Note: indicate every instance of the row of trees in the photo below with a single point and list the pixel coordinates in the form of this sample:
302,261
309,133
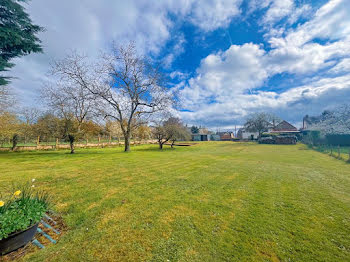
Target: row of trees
32,125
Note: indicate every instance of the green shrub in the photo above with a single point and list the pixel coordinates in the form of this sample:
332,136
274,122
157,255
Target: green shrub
25,207
338,139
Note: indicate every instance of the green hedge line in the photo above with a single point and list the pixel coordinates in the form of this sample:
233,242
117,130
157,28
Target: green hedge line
338,140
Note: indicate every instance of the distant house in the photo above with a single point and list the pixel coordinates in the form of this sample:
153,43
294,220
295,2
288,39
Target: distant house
226,136
200,137
285,128
247,135
282,128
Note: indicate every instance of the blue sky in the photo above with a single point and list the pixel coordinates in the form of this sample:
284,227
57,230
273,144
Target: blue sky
226,58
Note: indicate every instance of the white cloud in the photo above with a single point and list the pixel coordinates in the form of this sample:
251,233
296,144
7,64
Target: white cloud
175,50
90,26
178,75
306,58
224,74
342,67
277,10
303,11
297,52
331,21
291,104
212,14
221,90
226,85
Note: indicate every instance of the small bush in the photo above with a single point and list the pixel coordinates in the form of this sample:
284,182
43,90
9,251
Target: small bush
20,210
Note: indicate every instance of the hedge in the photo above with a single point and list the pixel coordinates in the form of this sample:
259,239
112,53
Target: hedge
338,140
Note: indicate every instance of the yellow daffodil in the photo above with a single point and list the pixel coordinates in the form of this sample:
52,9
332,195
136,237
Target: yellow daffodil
2,203
17,193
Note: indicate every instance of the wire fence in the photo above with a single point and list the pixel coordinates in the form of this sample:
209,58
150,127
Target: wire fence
339,152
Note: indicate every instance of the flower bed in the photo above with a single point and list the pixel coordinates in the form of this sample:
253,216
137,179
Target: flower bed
19,212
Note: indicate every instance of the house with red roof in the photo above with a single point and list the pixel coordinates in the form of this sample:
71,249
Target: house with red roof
284,128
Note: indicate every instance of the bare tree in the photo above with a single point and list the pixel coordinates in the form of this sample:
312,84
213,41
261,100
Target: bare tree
273,119
142,132
9,126
343,117
48,126
161,133
260,122
336,121
113,129
130,89
330,122
6,99
30,116
177,129
172,130
73,103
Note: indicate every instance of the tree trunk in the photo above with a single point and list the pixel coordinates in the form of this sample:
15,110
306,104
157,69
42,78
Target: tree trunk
14,141
71,143
160,145
172,144
126,143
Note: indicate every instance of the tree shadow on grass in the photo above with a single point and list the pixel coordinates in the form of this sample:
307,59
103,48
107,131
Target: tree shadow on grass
91,151
83,151
152,149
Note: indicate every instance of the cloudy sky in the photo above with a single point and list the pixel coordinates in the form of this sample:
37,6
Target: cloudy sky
226,58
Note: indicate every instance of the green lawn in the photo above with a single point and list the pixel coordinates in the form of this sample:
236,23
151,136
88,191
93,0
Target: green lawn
215,201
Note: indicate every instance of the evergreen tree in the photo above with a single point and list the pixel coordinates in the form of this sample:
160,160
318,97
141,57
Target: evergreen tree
194,129
18,36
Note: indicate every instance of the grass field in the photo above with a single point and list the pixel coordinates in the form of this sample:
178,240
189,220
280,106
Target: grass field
215,201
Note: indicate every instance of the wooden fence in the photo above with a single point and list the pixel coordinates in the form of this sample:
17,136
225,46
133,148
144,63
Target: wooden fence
58,146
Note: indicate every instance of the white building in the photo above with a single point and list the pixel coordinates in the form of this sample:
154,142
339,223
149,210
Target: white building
246,135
